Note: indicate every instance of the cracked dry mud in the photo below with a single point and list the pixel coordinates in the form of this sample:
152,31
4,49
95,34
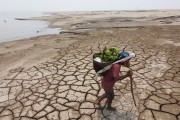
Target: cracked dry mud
65,87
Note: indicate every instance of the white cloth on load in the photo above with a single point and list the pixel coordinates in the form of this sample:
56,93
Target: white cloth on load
98,59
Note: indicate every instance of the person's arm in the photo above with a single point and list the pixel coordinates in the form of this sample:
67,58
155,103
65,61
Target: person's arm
115,72
128,74
122,77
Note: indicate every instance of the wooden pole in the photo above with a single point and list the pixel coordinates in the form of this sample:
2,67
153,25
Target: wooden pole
131,80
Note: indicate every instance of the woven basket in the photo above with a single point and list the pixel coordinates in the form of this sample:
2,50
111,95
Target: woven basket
99,66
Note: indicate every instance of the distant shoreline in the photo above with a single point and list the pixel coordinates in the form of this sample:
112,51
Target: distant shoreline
17,26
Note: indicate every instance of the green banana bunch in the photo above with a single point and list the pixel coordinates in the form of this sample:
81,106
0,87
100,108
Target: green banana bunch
109,55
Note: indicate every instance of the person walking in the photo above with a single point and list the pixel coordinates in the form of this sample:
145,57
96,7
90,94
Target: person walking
110,78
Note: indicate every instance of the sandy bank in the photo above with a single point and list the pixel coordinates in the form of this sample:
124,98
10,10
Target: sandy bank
33,51
52,76
29,52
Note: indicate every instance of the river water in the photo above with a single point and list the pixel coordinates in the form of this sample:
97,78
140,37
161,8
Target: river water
12,29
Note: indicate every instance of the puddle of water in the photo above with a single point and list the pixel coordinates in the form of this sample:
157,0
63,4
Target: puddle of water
12,29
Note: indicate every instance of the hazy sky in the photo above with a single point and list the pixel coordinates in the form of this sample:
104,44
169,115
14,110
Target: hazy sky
80,5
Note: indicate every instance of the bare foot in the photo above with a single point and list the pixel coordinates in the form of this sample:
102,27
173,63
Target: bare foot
97,102
99,105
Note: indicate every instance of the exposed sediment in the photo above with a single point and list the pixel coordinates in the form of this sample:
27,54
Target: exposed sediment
64,87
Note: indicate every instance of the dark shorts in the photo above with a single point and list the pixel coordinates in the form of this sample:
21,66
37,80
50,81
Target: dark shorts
109,94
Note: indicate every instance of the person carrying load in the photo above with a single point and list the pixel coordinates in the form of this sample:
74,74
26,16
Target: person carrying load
111,76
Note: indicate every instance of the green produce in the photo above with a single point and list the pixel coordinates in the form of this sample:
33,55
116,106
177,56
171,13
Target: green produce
109,55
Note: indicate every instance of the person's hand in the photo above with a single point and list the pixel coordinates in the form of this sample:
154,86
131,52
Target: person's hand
129,73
